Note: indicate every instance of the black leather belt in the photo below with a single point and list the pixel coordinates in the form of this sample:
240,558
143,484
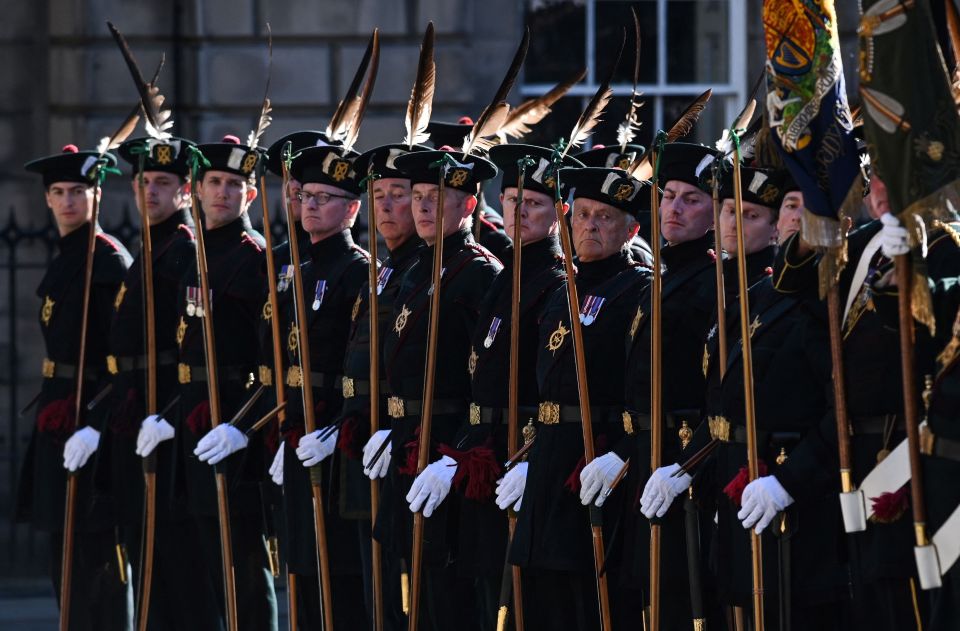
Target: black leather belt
400,408
933,445
484,415
198,374
317,379
721,429
60,370
358,387
138,362
550,413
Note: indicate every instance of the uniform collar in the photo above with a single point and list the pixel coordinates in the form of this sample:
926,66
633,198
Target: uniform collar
170,225
598,271
76,239
680,255
228,233
331,248
535,256
406,250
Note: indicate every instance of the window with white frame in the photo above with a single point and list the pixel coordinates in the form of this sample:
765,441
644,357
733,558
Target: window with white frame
687,46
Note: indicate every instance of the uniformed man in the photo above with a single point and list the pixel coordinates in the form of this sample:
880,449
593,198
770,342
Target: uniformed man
802,552
332,269
131,436
882,563
99,597
234,258
621,157
552,541
688,309
394,222
473,462
469,269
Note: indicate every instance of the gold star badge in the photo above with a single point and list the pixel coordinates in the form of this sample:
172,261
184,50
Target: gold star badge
181,331
47,311
755,325
118,300
557,337
293,338
267,312
401,320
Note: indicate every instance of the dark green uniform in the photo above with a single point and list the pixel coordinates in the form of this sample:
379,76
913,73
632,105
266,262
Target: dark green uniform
235,262
98,598
552,538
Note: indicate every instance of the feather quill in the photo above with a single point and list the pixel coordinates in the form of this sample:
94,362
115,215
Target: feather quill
642,169
253,140
627,130
157,119
594,110
353,125
420,105
532,111
494,115
343,122
123,132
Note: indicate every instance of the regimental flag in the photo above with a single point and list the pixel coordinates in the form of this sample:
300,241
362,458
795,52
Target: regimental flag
911,122
809,117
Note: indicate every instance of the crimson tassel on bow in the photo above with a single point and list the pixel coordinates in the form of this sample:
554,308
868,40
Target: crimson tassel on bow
734,488
478,467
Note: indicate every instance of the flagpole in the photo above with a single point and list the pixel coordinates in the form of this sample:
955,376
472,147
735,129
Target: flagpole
656,355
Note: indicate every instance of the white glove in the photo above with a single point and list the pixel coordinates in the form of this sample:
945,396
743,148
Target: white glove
80,447
597,476
661,489
153,431
510,488
313,450
276,469
220,442
894,238
431,486
380,468
761,501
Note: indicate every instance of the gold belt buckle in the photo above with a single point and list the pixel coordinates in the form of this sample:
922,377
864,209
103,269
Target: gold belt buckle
49,368
294,377
266,375
719,428
349,391
549,413
627,422
395,407
183,373
927,440
474,414
112,364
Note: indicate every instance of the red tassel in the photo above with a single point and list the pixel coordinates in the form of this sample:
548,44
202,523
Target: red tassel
199,419
124,421
348,438
409,467
293,436
58,417
889,507
572,483
734,488
478,466
271,438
